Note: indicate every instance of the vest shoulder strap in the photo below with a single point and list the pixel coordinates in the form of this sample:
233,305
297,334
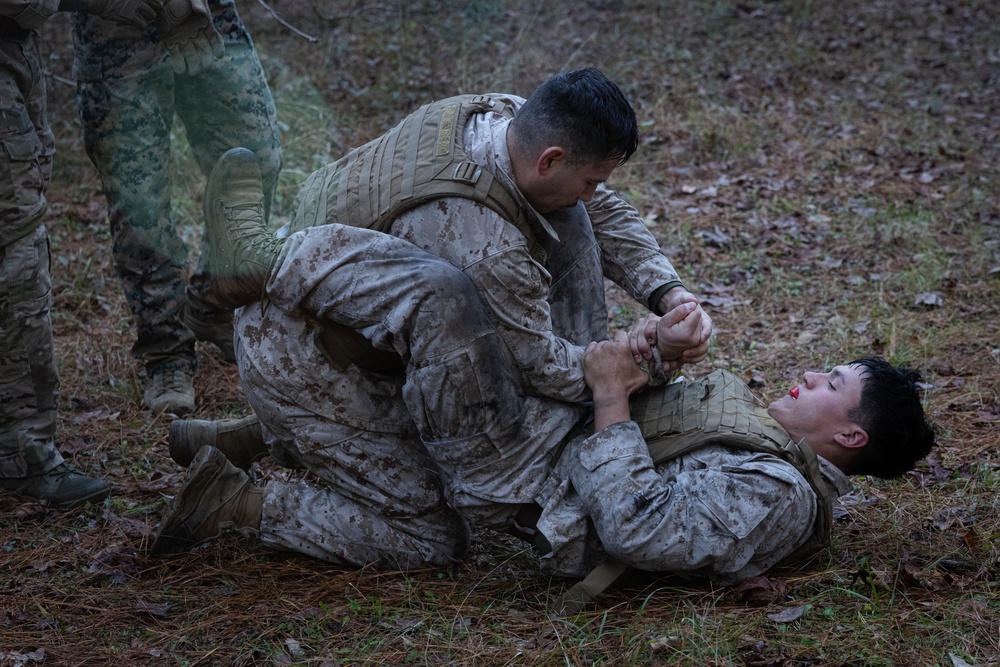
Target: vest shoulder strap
421,159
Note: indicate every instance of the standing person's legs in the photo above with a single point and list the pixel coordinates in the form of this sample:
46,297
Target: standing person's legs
126,95
223,107
30,464
29,383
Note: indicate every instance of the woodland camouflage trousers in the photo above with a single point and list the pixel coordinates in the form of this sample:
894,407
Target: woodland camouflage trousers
29,382
129,96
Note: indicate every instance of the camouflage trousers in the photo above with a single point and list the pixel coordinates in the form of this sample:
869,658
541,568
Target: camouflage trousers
129,95
29,381
402,457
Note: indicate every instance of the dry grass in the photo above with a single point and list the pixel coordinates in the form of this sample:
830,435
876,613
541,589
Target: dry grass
814,169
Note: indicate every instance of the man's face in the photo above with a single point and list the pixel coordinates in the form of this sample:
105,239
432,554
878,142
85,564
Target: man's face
563,184
818,409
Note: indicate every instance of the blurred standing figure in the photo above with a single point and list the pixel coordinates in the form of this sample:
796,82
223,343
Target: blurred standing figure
197,62
30,463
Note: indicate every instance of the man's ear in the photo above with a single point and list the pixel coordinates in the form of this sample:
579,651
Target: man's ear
852,437
549,158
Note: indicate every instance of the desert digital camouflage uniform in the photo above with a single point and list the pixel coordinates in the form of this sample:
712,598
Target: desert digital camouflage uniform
544,316
29,381
716,512
388,453
380,442
129,95
536,308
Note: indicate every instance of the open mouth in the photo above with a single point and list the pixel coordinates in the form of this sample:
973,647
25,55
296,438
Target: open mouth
794,393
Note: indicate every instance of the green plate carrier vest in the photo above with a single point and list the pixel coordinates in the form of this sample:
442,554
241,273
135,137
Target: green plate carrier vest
421,159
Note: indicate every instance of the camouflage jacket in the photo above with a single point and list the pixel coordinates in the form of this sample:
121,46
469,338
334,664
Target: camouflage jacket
498,257
719,510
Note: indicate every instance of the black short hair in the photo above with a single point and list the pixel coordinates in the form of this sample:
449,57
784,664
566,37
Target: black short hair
891,413
582,111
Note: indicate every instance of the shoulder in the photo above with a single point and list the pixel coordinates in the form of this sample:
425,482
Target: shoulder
459,228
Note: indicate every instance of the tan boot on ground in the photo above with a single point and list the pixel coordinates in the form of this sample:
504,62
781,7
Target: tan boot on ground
170,390
241,440
242,250
216,497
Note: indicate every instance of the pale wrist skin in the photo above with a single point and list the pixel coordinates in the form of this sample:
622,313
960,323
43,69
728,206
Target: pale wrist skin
610,407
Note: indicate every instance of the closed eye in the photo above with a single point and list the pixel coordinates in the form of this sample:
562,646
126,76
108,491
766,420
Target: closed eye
835,374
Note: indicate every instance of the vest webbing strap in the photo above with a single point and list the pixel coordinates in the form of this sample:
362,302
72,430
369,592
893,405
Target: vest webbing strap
583,592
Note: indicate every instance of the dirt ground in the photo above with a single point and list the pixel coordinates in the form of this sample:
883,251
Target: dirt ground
823,175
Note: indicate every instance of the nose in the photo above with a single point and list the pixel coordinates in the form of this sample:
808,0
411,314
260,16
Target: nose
588,193
810,379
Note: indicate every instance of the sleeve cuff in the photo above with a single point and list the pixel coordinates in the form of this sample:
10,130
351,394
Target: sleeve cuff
654,298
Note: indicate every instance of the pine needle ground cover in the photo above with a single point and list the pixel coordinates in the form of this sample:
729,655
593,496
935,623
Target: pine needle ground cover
824,175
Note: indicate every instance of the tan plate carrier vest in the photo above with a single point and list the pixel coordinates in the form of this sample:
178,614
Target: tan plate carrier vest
421,159
718,409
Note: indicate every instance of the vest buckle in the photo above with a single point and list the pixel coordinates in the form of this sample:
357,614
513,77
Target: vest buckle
466,172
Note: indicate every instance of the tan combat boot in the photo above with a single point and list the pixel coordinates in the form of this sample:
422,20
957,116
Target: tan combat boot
170,390
216,497
241,440
241,249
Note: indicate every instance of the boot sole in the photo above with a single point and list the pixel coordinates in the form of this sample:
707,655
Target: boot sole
221,264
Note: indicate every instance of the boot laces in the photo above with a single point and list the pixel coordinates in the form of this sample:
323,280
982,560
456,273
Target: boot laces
173,381
247,225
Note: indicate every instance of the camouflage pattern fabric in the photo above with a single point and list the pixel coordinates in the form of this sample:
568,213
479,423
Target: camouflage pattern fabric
532,305
461,406
453,429
715,512
375,441
29,381
128,96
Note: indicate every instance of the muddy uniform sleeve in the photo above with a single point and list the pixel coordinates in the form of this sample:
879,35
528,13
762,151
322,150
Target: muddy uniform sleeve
512,285
631,256
716,512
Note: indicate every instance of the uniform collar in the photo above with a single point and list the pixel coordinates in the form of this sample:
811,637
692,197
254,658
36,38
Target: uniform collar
486,144
834,477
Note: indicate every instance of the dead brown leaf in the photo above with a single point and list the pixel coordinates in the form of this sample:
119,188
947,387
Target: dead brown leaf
760,591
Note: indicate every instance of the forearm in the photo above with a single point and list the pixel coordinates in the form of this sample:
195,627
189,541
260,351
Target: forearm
631,256
725,514
610,407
